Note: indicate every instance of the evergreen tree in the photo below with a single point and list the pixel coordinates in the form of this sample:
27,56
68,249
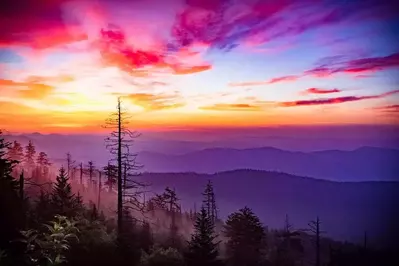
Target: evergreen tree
63,200
30,152
246,238
202,249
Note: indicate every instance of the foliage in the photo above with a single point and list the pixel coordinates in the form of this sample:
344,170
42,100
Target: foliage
246,238
162,257
51,245
202,249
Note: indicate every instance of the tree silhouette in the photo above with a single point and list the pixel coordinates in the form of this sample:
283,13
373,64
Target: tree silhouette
63,200
90,169
16,152
168,201
210,202
10,202
289,245
43,163
30,152
246,238
70,165
202,248
315,229
111,173
119,144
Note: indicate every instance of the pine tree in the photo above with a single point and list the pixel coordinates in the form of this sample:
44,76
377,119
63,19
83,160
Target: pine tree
63,200
202,249
210,201
30,152
246,238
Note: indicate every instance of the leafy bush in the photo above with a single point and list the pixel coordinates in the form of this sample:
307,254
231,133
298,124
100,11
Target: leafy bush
162,257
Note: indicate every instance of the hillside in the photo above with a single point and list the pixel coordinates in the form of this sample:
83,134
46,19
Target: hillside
346,209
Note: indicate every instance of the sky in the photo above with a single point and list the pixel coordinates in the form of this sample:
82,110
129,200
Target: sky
197,63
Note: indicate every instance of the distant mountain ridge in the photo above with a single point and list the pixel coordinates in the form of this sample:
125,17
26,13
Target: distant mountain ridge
346,209
362,164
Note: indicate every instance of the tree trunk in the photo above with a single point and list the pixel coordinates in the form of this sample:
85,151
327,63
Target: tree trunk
120,208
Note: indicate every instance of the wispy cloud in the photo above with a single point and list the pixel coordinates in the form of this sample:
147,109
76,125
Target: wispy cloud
259,83
357,66
388,108
321,91
30,90
335,100
232,107
333,65
153,102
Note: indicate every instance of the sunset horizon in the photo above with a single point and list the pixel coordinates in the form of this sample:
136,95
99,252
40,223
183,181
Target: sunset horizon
64,71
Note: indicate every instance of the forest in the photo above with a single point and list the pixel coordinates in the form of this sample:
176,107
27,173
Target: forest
83,214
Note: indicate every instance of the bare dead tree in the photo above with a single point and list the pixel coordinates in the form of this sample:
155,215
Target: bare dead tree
315,229
119,143
99,190
90,168
70,164
169,201
81,173
209,201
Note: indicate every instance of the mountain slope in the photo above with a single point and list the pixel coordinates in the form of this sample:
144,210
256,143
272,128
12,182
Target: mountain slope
346,209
